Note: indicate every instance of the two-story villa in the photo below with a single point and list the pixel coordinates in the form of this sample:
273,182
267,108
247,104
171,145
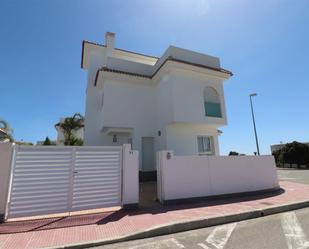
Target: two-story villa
174,102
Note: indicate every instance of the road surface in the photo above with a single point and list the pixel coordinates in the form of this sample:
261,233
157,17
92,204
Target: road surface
288,230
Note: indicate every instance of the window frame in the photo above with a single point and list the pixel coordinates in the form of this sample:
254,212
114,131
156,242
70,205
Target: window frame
207,112
211,103
211,145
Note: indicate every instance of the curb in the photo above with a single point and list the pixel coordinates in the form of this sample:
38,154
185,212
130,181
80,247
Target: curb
190,225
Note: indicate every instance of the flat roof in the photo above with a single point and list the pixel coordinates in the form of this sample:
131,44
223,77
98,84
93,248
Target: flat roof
119,49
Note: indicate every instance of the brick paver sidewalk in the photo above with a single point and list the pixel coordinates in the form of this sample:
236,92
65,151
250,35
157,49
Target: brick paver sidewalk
112,225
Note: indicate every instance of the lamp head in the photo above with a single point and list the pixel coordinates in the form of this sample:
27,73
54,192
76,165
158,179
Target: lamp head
253,94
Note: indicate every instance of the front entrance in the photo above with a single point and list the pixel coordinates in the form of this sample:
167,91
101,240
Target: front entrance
148,162
148,194
148,190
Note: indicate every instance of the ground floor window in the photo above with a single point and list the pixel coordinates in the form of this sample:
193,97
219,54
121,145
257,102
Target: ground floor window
204,144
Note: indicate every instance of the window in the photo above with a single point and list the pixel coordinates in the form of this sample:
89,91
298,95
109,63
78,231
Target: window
204,144
212,103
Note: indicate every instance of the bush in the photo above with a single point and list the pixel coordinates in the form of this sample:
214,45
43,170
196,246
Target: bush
233,153
294,152
47,141
23,143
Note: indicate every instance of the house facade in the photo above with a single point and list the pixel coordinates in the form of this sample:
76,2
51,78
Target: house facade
173,102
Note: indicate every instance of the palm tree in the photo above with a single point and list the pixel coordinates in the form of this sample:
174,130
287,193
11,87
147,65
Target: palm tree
5,132
69,126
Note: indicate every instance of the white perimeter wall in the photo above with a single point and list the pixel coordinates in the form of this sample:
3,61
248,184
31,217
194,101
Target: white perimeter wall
183,177
130,184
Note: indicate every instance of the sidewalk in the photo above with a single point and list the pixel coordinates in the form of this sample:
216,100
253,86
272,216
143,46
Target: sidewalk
146,222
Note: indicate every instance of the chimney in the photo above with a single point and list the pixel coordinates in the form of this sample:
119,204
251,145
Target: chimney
110,40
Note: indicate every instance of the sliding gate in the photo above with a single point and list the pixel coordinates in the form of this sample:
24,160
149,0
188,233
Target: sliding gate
57,179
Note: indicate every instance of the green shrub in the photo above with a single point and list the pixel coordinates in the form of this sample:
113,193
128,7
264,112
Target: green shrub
233,153
47,141
293,153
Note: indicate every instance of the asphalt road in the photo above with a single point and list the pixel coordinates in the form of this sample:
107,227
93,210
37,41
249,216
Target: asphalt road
288,230
294,175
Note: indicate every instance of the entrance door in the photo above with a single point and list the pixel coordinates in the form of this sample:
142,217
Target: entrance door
148,154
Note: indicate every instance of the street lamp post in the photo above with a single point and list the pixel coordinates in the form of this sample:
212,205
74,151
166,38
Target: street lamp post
254,126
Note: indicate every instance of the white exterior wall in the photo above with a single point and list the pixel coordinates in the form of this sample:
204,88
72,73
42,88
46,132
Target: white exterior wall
182,138
183,177
125,104
188,98
171,102
130,105
164,110
93,119
174,106
181,113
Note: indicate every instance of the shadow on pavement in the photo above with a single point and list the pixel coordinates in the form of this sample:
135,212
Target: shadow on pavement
148,205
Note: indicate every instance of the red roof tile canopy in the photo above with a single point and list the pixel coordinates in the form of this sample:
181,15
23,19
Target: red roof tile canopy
106,69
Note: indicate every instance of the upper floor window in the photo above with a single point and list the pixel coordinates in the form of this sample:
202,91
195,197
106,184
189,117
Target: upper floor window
212,102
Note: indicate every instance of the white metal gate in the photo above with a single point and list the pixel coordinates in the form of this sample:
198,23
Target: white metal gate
57,179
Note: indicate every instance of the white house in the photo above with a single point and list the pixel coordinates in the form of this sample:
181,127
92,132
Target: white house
173,102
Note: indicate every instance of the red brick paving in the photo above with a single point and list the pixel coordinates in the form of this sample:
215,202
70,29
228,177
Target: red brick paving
109,225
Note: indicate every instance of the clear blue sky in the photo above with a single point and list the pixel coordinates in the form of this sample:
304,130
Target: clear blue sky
264,43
